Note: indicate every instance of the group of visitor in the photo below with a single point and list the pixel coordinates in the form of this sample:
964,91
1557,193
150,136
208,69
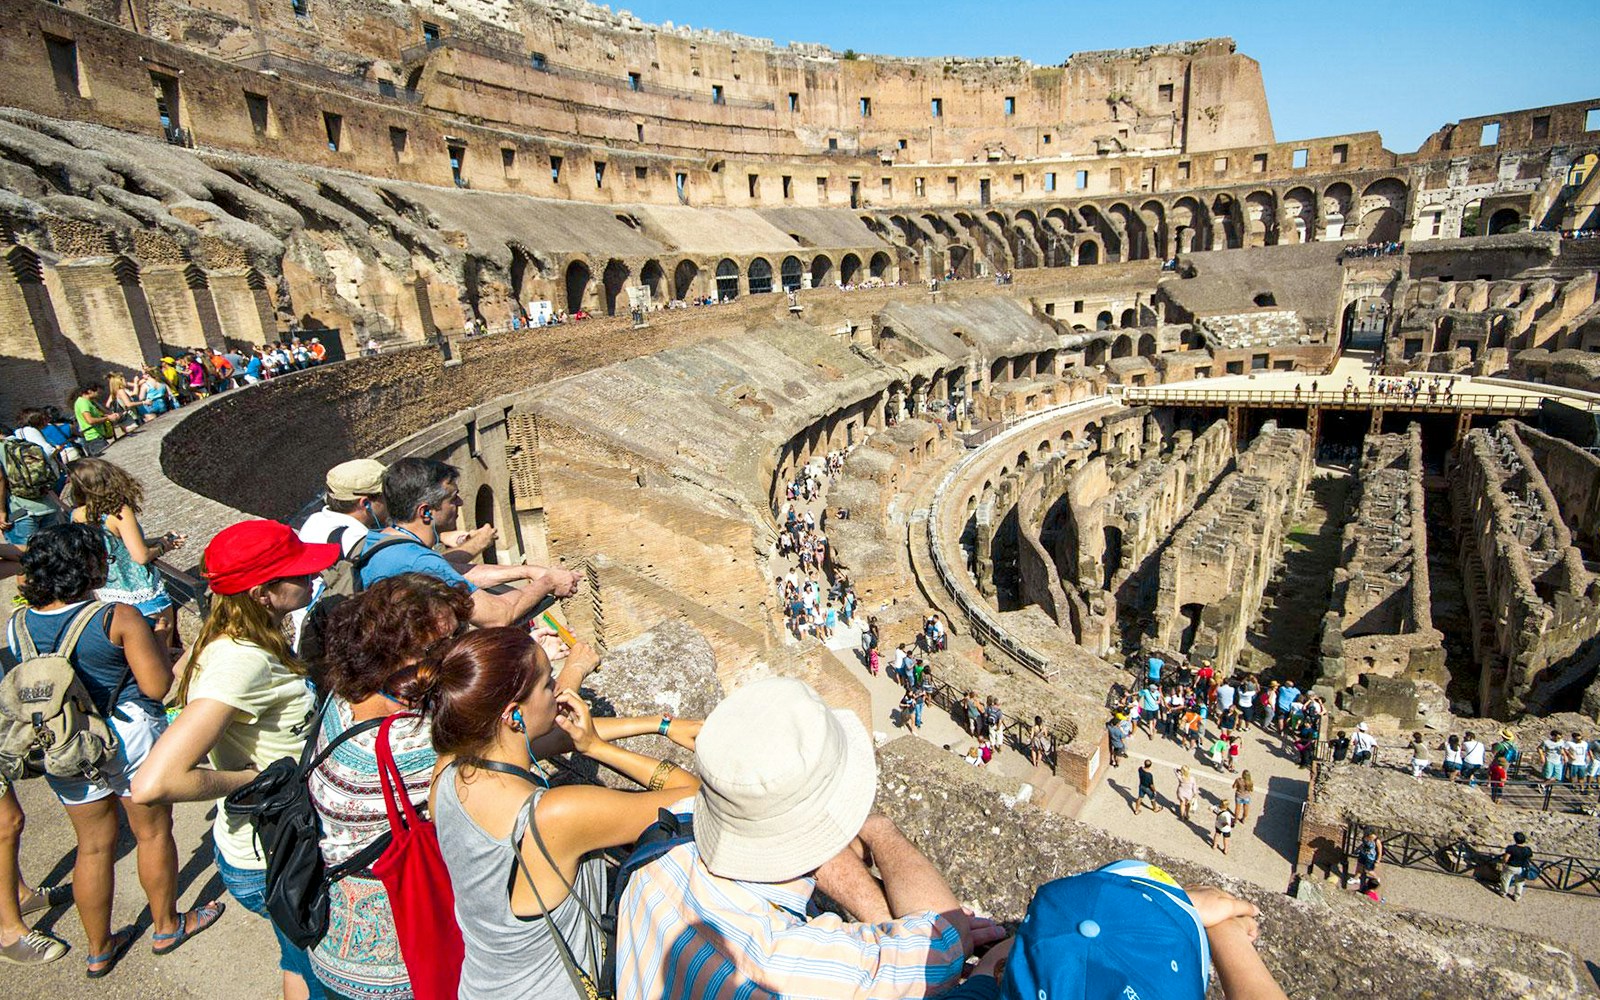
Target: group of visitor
1380,248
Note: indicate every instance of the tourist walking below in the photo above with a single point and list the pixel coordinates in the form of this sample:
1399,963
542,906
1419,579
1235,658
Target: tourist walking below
1419,756
1186,793
1553,754
245,703
109,499
1497,777
1516,866
1362,745
126,674
1244,789
1368,853
1222,828
1147,788
1472,759
1041,746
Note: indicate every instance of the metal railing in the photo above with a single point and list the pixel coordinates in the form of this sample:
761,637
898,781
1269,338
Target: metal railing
978,618
1523,788
1019,732
1456,856
1462,402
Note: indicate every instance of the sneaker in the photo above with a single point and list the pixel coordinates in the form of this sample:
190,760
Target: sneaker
33,948
45,897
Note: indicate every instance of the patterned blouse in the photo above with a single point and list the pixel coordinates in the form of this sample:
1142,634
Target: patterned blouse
359,957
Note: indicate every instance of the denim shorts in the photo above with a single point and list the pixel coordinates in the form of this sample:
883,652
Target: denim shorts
249,887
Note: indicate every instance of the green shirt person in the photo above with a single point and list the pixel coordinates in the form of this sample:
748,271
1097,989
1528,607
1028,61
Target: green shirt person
92,421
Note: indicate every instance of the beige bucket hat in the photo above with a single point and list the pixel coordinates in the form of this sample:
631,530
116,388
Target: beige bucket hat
786,782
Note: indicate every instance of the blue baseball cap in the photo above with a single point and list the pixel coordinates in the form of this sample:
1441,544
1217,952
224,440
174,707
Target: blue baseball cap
1123,932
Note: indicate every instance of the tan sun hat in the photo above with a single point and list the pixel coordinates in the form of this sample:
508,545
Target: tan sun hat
362,477
786,782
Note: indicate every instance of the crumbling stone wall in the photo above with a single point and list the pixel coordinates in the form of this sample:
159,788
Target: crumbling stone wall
1534,602
1380,616
1213,573
1116,516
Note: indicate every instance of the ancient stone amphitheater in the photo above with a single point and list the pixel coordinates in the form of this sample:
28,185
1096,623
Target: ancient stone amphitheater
1103,351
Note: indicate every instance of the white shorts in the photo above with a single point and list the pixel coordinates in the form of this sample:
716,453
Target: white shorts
135,737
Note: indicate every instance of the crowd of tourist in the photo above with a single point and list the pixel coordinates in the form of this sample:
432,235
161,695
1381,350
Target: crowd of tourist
426,696
1380,248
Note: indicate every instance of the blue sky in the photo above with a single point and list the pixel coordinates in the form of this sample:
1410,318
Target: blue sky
1403,67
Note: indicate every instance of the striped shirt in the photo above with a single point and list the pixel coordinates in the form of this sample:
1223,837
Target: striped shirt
686,934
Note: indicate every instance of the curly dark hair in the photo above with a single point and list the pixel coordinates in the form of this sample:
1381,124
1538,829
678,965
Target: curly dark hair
64,562
376,639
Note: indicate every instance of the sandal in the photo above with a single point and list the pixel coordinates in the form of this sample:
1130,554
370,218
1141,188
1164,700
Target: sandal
46,897
108,960
204,916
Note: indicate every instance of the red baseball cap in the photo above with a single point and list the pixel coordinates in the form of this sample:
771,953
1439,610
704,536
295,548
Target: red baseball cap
249,553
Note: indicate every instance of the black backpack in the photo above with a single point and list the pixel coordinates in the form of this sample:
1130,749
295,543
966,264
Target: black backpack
340,582
289,832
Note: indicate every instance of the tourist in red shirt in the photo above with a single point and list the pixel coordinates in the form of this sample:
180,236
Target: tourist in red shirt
1497,777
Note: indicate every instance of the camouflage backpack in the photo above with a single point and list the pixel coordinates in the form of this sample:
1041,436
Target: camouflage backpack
48,722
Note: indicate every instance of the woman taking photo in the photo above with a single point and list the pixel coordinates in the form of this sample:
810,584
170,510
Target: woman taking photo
494,711
245,703
126,674
108,498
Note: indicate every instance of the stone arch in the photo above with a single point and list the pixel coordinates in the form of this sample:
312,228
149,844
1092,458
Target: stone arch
1187,224
1136,244
1147,346
878,266
1153,217
1505,220
1088,252
1094,352
578,278
1260,219
1104,321
525,269
1299,210
1122,347
849,269
1337,201
482,514
653,278
1129,318
960,258
615,279
1382,209
727,279
789,273
683,277
821,270
760,276
1225,222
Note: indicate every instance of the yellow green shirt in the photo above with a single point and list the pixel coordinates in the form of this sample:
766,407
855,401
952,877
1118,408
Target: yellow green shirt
273,706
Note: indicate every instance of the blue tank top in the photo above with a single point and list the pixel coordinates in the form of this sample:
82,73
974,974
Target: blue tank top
99,662
127,582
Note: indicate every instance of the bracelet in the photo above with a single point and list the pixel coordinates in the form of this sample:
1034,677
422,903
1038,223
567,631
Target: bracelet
666,724
658,780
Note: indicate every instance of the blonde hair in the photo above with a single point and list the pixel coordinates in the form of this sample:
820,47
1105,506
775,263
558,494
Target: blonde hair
1246,783
103,489
1183,772
245,619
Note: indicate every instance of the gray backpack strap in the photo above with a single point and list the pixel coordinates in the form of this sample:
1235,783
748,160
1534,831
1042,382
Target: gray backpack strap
26,650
